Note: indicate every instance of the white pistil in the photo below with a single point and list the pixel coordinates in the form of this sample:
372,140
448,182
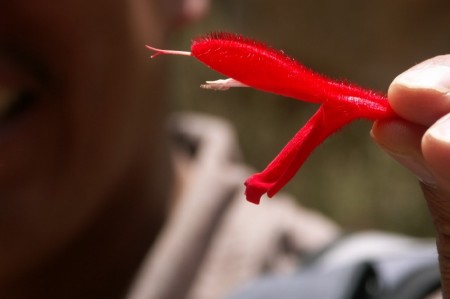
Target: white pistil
222,84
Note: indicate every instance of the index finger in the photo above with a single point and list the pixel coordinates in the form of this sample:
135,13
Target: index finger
422,94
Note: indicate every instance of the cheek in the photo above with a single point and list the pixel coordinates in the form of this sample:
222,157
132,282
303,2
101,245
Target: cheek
88,130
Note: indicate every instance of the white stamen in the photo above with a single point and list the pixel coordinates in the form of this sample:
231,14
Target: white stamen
222,84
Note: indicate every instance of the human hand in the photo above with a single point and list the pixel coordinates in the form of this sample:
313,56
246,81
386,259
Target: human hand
420,140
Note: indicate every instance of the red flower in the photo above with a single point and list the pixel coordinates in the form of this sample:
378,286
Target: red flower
250,63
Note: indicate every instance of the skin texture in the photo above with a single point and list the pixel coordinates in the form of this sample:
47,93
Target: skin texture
85,168
421,142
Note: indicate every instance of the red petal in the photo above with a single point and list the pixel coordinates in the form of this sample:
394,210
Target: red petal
330,117
258,66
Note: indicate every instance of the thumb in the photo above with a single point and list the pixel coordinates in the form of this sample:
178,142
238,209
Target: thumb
421,96
436,153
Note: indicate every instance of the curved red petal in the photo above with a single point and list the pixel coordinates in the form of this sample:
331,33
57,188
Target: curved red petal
259,66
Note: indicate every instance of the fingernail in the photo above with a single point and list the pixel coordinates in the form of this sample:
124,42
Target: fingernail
441,129
436,77
415,166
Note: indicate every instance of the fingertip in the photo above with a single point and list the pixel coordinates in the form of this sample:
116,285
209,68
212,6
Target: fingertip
428,75
422,93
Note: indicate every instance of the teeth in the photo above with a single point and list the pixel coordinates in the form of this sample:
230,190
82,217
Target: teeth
8,97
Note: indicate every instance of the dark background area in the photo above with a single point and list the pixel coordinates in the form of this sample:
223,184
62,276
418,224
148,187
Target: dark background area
367,42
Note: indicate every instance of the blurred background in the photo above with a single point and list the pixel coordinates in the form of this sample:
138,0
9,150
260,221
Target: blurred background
367,42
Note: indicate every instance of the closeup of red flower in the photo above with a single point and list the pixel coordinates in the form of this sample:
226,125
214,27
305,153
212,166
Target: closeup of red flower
249,63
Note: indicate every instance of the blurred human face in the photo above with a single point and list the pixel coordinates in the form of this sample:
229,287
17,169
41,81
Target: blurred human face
80,108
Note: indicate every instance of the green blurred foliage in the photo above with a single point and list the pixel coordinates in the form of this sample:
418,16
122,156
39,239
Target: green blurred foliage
367,42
